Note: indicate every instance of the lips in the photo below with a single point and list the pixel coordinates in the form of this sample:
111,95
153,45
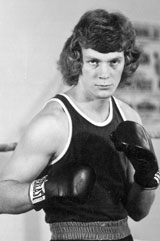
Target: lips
104,86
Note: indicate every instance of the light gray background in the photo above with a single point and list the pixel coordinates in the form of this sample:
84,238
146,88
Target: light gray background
32,33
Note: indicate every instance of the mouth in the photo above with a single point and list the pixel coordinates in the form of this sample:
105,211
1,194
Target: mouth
104,86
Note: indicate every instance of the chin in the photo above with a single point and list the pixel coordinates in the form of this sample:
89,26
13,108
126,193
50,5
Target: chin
104,95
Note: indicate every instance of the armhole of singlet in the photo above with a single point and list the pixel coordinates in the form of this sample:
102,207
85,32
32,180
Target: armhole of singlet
70,131
120,109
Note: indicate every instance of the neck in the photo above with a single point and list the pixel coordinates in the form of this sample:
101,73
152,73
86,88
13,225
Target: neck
96,109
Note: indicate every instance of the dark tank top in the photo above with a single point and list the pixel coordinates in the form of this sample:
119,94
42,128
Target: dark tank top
90,144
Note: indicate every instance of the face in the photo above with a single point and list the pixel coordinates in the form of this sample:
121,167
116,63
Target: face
101,73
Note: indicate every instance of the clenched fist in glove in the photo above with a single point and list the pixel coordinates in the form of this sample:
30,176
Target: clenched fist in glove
70,181
132,139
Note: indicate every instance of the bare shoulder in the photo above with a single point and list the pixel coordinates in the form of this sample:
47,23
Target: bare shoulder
129,112
44,137
51,125
46,134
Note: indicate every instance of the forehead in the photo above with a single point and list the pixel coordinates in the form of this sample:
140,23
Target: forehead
91,53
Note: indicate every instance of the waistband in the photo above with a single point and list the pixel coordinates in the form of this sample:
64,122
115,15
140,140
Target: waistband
112,230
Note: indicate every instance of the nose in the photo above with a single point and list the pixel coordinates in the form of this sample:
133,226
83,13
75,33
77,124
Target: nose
104,71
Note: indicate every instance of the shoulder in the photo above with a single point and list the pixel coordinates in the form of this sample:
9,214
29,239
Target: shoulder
129,112
49,128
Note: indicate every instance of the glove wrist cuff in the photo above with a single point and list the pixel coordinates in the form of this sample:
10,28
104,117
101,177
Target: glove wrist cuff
148,184
37,193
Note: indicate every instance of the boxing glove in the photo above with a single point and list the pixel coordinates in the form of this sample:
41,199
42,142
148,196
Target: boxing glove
132,139
72,182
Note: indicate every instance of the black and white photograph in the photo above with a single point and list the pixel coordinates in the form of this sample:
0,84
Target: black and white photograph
79,120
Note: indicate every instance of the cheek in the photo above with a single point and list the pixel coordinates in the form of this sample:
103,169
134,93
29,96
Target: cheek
118,73
88,72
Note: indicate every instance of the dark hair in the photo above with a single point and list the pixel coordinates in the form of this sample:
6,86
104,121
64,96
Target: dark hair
101,31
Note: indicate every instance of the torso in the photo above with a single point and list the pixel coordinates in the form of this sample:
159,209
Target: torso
88,142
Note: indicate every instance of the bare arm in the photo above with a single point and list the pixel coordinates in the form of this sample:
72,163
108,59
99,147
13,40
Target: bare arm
139,200
31,156
15,197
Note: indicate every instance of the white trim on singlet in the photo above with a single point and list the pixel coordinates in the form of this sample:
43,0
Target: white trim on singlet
70,131
120,109
100,124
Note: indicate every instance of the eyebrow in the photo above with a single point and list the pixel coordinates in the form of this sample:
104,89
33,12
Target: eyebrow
117,57
110,59
92,58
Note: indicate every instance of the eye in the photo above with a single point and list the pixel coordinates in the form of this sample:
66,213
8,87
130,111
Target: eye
93,62
115,62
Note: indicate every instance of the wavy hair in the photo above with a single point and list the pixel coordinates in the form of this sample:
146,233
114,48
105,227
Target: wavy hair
104,32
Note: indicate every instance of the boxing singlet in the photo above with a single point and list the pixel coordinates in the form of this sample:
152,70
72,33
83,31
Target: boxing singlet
89,143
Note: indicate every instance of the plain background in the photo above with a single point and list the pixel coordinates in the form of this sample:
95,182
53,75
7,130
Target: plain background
32,34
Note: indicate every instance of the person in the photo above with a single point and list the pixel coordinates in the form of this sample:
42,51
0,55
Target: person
86,159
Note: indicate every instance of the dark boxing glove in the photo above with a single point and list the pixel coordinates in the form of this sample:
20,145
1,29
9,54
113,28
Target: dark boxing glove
72,182
132,139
